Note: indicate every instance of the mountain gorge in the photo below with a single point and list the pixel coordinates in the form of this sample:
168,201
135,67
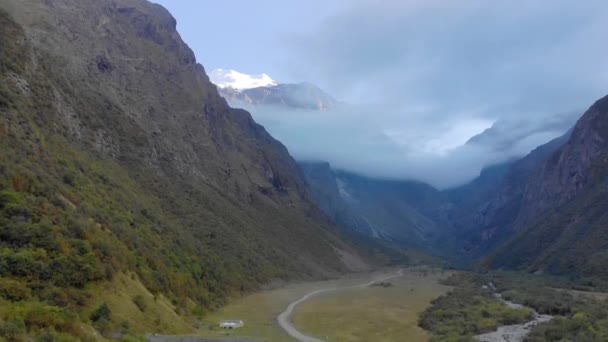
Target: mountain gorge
492,218
545,212
134,198
405,212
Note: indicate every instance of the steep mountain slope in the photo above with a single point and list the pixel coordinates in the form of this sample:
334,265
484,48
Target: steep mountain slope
120,157
407,213
561,226
485,210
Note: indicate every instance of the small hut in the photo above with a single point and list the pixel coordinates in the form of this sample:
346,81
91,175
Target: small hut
231,324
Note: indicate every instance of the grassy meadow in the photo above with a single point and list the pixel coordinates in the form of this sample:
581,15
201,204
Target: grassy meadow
361,314
372,313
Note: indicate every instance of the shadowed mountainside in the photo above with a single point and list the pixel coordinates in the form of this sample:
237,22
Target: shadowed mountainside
404,212
561,227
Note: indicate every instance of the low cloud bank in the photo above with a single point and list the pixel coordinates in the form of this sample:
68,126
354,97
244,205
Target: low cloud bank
403,145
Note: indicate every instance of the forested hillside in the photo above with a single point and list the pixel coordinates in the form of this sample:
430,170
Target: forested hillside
121,163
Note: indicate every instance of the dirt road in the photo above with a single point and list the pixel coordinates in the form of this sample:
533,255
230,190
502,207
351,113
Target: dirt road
284,318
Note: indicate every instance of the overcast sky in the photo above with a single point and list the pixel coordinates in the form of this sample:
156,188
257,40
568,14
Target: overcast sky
420,77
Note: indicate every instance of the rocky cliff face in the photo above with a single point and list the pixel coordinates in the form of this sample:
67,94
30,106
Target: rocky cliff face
560,226
486,210
567,173
140,82
124,133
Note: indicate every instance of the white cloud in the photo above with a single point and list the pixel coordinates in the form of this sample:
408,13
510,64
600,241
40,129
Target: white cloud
423,76
224,78
402,146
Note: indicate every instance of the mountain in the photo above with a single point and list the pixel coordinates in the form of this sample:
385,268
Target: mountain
224,78
124,174
485,210
254,91
465,223
404,212
561,224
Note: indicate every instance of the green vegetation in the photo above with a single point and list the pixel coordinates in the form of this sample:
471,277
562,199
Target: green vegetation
535,291
54,246
584,317
569,240
99,237
372,313
466,312
580,315
589,323
140,302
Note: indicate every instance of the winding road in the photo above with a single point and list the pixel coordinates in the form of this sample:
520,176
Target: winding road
284,319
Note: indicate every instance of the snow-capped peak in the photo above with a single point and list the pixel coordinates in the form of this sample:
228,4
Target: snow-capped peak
224,78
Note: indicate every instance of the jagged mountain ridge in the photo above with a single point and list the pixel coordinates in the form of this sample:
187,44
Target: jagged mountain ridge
300,96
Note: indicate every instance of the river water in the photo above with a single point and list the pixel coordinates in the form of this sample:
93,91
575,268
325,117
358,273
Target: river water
515,332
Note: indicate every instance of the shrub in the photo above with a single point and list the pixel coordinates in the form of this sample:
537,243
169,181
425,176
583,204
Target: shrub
42,316
468,311
13,290
10,199
199,311
102,312
12,329
103,325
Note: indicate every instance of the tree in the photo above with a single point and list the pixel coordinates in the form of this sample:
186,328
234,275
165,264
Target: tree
102,312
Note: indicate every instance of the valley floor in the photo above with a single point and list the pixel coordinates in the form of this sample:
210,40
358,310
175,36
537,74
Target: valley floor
351,314
372,313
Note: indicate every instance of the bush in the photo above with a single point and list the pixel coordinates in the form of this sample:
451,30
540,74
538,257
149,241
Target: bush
199,311
10,199
103,325
13,290
42,316
465,312
12,329
102,312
